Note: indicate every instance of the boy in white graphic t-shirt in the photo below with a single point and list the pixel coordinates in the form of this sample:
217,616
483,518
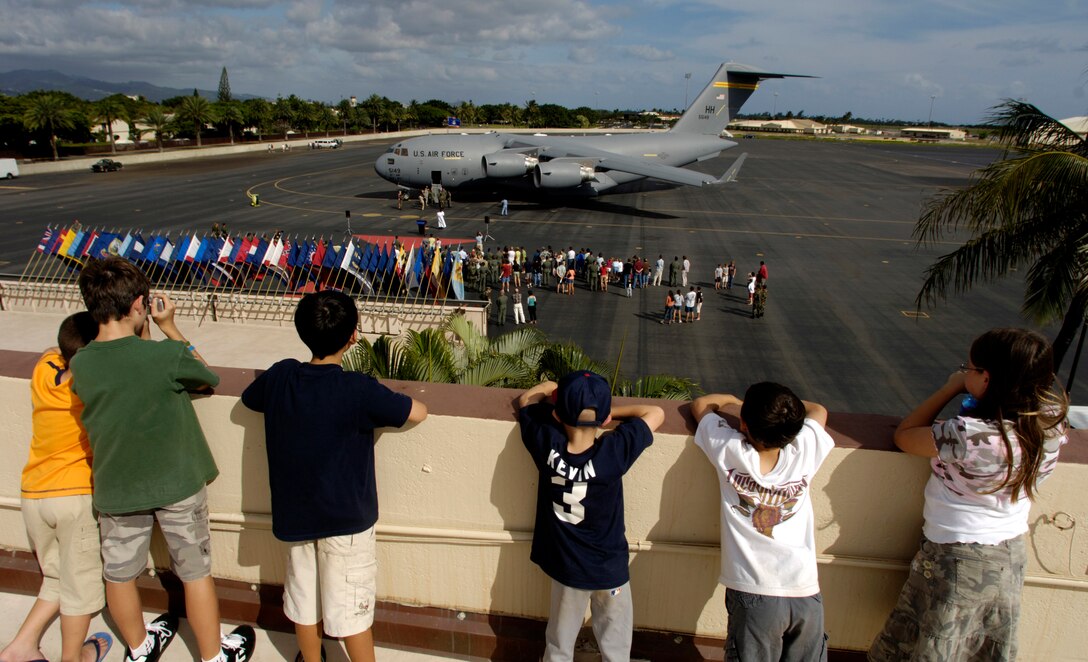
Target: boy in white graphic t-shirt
768,543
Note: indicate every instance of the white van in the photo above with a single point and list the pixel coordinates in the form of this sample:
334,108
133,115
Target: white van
9,169
325,143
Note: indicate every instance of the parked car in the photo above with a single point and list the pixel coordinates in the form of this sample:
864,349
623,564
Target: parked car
106,165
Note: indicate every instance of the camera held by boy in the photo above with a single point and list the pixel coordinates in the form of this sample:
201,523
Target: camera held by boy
765,466
151,460
319,423
578,538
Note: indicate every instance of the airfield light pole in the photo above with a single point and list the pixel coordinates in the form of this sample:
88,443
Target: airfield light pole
774,113
932,98
687,79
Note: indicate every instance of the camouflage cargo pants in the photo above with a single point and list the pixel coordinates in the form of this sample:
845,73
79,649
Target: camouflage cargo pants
961,602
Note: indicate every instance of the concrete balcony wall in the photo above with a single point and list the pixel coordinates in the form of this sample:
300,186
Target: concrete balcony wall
457,501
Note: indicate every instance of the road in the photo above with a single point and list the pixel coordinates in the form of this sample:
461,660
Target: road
832,220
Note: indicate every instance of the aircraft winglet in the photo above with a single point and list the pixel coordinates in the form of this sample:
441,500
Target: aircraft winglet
731,174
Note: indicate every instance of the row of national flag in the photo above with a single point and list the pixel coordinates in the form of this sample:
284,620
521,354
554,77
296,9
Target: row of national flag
232,261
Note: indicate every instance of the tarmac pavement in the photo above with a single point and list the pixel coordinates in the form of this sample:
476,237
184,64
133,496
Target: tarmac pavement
832,220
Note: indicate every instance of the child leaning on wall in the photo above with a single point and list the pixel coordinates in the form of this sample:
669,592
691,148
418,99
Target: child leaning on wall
578,538
319,423
152,462
57,509
765,467
962,596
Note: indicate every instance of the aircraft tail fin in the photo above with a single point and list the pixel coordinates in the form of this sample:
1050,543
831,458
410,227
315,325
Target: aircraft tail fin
721,99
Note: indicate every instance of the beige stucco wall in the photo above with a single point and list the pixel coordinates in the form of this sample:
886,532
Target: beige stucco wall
457,499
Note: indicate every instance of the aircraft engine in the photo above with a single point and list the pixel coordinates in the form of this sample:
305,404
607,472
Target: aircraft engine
508,164
564,174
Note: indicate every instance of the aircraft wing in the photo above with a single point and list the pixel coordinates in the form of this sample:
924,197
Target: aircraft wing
555,147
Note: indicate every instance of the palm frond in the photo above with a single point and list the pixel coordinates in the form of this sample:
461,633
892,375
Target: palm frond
562,358
518,341
1008,192
1022,126
1053,279
499,370
427,357
662,387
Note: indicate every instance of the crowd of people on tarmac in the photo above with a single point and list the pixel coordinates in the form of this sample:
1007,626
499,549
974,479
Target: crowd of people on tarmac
116,446
504,272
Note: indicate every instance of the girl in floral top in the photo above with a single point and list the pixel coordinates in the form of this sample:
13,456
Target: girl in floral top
962,597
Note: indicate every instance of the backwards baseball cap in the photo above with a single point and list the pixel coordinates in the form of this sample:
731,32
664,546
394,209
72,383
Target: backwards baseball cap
581,390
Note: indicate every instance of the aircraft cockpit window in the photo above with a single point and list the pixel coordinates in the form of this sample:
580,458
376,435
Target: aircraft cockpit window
389,150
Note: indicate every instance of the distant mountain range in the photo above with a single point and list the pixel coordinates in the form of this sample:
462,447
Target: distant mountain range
21,81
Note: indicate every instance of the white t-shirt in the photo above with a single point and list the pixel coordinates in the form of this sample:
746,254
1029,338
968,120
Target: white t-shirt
768,541
689,299
961,504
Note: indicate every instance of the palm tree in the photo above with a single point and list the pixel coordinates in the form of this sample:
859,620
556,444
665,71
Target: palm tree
229,113
197,111
1030,208
374,105
158,122
258,114
109,109
51,112
532,113
456,353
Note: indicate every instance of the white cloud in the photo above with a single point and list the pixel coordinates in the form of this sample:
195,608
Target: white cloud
649,53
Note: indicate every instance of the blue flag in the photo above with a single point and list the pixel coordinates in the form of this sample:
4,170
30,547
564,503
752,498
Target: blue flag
154,249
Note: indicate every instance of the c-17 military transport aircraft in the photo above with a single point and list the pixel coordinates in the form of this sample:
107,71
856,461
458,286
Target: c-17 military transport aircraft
581,166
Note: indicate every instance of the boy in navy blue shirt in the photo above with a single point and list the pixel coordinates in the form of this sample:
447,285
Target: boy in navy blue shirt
578,538
319,426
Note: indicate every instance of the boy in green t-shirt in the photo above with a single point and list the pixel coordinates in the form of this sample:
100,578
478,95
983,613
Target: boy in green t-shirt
152,461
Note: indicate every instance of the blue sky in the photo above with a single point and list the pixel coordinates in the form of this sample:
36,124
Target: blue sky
874,58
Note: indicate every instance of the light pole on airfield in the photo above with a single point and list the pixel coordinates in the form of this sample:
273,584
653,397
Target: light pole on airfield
687,79
774,113
932,98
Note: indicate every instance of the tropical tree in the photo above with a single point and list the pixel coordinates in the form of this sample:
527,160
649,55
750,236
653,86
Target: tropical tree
195,110
532,113
109,109
50,112
158,122
374,105
229,113
1030,208
258,114
224,94
458,353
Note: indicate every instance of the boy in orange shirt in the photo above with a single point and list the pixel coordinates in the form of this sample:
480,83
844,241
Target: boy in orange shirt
56,505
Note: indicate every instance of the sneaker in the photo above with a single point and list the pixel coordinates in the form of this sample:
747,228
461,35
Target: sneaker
162,631
238,645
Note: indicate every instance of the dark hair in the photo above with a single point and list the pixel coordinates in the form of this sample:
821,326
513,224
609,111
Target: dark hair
772,413
75,332
325,321
1021,389
110,287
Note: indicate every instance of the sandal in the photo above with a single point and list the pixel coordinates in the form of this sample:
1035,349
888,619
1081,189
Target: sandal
102,643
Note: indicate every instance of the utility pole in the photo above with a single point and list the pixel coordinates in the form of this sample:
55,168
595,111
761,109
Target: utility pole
932,98
687,79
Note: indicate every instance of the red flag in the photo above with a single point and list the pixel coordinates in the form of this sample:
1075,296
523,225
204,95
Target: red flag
319,253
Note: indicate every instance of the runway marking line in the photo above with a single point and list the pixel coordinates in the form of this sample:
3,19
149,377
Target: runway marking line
915,314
